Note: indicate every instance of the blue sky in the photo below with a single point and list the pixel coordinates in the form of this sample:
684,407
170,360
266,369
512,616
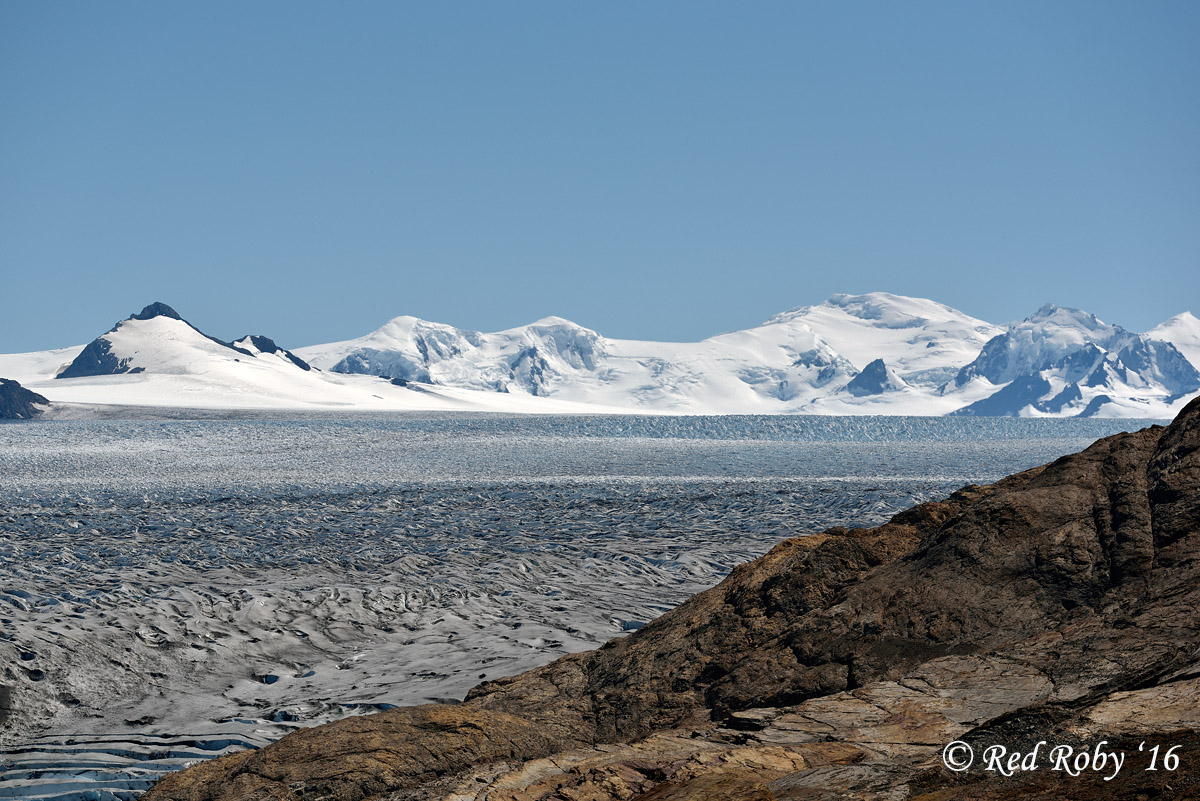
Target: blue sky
651,170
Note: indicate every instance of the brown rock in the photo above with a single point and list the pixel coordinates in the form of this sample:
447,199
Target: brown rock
731,786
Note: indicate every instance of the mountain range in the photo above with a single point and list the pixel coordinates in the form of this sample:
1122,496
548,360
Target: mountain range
875,353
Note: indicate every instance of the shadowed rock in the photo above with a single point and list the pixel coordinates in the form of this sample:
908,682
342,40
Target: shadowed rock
5,703
263,344
875,379
1057,604
18,403
156,309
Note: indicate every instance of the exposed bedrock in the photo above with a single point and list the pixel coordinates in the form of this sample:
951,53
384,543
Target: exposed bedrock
1058,604
18,403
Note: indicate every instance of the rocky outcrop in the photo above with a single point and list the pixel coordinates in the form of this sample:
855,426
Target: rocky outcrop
875,379
255,344
1056,605
18,403
156,309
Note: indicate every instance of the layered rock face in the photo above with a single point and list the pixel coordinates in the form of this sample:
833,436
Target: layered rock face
1057,605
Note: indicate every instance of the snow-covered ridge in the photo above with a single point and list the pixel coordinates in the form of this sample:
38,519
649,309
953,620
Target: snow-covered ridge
156,358
1182,331
1066,362
918,338
875,353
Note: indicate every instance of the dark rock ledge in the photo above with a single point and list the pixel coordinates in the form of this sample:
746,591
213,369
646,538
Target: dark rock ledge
18,403
1058,604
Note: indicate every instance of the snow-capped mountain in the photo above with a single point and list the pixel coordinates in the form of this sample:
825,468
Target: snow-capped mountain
1068,362
792,358
1033,344
922,341
156,358
759,369
526,359
1182,331
876,353
873,353
158,340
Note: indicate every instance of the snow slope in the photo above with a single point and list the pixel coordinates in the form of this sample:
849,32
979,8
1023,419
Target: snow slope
159,359
1068,362
923,341
876,353
38,365
1182,331
796,362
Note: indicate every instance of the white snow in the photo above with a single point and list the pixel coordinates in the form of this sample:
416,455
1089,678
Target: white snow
184,368
793,363
1182,331
27,367
1049,335
797,362
920,339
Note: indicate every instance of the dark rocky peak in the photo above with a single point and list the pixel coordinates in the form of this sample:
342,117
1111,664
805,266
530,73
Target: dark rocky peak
156,309
256,343
18,403
260,343
875,379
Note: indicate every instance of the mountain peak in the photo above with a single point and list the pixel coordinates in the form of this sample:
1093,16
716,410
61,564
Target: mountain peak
406,326
1067,316
1183,318
875,379
553,321
884,309
844,299
1182,331
156,309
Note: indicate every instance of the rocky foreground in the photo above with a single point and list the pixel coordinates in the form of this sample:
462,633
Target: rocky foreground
1057,605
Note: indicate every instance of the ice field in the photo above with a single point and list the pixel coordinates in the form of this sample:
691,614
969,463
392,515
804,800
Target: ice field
182,584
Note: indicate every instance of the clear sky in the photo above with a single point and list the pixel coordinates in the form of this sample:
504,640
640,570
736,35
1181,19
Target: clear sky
664,170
